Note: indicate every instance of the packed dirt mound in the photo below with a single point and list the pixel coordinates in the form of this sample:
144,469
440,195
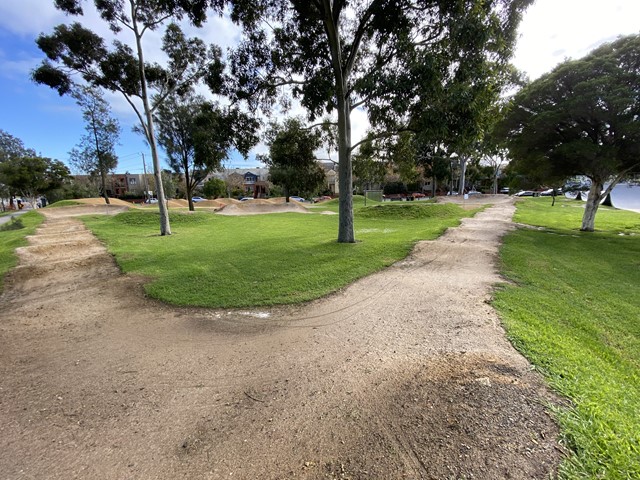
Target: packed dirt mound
228,201
178,203
100,202
257,207
279,200
183,203
87,209
256,201
209,204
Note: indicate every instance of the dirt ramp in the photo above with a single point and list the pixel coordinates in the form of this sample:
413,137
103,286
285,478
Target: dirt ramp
62,254
257,207
99,201
89,209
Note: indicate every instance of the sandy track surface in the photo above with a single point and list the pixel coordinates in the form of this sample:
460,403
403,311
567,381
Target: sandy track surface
405,374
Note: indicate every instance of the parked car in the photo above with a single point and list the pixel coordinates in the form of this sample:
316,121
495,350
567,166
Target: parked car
245,199
504,190
397,197
297,198
197,199
151,200
546,193
526,193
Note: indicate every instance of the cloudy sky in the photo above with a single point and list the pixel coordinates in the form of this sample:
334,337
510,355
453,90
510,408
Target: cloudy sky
552,31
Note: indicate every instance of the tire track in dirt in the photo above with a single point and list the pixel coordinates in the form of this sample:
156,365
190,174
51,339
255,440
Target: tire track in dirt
404,374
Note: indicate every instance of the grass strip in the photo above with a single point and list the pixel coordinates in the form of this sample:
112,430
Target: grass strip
12,236
574,312
224,261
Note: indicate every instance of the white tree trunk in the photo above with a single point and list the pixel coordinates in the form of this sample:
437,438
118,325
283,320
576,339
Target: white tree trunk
591,208
165,227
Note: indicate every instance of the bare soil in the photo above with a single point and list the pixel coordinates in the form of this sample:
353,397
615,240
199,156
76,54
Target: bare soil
405,374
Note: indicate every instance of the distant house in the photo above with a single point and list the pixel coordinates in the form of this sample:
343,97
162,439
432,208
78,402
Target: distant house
255,181
119,184
331,175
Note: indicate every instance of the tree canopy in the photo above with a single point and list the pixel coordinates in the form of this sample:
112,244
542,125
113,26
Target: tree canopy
32,176
583,118
73,50
95,154
214,188
198,136
291,160
12,147
430,66
176,131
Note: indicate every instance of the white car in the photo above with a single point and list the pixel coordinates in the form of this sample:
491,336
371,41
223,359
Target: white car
197,199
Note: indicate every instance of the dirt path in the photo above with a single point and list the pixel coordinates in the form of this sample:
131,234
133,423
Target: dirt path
406,374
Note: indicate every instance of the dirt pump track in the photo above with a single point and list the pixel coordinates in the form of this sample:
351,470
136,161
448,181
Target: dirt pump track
405,374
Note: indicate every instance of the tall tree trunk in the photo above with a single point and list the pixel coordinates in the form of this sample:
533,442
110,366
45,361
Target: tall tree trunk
345,178
101,163
463,171
188,186
103,181
591,208
346,232
165,227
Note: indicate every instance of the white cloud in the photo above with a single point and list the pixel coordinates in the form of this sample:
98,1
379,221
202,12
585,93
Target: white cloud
28,17
17,69
553,30
218,30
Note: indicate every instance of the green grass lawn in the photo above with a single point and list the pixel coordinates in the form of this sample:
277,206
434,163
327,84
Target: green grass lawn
13,236
574,311
219,261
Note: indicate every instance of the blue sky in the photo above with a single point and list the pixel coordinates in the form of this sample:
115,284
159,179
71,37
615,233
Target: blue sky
552,31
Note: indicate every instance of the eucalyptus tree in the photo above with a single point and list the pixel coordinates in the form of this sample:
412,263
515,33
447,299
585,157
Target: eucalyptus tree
429,65
176,130
369,167
198,135
291,159
582,118
12,147
95,154
75,51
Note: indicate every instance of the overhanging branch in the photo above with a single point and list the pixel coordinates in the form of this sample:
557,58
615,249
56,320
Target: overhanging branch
380,136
